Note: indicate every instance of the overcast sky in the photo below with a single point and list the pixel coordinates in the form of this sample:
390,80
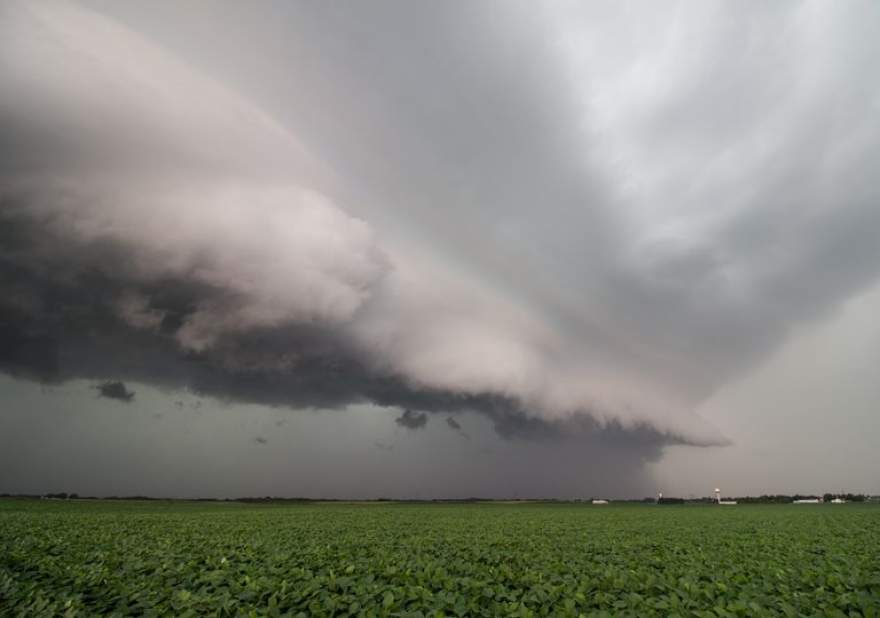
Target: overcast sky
439,249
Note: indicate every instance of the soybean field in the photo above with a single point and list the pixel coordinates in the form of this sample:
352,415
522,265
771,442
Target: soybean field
160,558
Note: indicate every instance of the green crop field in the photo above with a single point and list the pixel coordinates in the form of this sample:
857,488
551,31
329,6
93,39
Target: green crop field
158,558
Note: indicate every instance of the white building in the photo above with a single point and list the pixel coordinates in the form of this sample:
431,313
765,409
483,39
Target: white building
600,501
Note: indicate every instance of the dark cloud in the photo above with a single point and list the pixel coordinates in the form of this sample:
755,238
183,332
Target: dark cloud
115,390
455,426
412,420
261,440
59,323
136,250
566,267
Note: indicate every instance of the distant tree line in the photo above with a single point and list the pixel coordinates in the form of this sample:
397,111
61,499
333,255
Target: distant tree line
763,499
773,499
670,501
847,497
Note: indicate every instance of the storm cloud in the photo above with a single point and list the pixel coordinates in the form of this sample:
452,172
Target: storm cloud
115,390
412,420
573,222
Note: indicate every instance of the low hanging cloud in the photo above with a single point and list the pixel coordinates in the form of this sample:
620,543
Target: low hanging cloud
455,426
561,280
412,420
115,390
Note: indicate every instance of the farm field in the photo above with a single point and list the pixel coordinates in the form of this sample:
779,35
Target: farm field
485,559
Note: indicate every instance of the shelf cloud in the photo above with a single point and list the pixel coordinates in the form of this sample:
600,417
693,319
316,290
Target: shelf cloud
571,224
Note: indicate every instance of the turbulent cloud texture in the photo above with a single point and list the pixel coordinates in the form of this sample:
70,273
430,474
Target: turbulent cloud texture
574,220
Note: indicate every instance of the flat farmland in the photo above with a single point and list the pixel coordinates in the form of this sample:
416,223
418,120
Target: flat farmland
412,559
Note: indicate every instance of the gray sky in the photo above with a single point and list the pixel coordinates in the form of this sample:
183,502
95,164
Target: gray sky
424,249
